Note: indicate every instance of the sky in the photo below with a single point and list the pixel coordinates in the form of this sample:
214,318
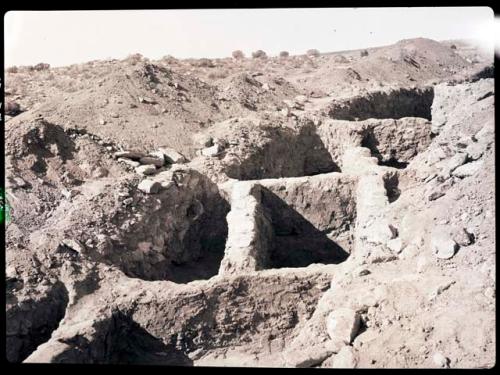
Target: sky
67,37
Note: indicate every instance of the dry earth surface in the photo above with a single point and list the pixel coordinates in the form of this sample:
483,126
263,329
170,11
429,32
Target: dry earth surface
299,211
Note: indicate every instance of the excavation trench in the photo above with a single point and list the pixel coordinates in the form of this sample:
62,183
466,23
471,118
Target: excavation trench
393,142
395,104
292,222
295,241
281,152
178,234
31,322
178,325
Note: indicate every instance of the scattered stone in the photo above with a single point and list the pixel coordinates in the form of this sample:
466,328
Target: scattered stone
15,182
148,160
286,112
421,264
172,156
475,150
68,194
102,122
132,163
395,245
12,108
342,325
442,245
146,170
490,293
300,99
440,289
74,245
436,194
149,186
11,272
203,140
114,115
453,163
345,358
440,360
462,237
361,271
468,169
211,151
129,155
146,100
307,357
100,172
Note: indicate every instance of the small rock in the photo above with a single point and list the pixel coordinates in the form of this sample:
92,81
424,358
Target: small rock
345,358
129,155
421,264
286,112
490,293
11,272
12,108
442,245
440,289
436,194
464,142
361,271
454,162
148,160
100,172
167,184
68,194
102,122
132,163
307,357
300,99
128,201
146,100
475,150
342,325
440,360
114,115
211,151
14,182
204,140
468,169
395,245
172,156
462,237
146,170
149,186
74,245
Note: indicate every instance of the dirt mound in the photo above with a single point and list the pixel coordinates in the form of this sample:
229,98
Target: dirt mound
408,62
254,95
149,104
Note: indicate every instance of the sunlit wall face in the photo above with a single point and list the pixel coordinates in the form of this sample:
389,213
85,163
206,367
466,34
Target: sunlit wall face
67,37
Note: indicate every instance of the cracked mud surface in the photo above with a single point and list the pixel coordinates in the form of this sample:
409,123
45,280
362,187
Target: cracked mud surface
273,217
